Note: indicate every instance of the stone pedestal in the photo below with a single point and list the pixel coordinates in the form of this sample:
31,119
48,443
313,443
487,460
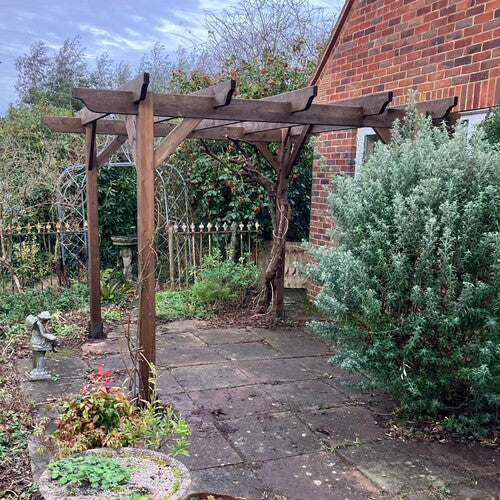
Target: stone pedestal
126,245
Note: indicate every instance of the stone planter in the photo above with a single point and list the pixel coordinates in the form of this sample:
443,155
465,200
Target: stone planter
161,475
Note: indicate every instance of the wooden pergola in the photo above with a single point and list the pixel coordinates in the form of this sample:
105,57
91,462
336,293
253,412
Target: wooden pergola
288,119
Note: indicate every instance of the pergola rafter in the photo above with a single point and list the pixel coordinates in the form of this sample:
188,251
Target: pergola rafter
288,119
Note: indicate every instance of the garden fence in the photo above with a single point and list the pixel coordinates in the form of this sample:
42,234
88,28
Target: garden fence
184,248
31,255
35,256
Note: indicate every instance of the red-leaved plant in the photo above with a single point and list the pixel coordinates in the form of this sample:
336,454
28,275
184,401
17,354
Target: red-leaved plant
104,416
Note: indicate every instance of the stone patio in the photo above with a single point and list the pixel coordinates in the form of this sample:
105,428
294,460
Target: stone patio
271,419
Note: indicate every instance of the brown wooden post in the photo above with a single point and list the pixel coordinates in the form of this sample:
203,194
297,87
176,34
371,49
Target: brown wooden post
145,229
94,276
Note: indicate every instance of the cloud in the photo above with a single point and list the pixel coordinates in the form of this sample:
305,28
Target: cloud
106,38
215,4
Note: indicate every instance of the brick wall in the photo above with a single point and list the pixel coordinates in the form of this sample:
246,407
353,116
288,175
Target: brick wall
441,48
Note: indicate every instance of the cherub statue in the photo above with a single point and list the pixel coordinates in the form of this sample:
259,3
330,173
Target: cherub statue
41,342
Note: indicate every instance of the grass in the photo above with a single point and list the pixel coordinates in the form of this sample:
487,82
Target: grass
172,305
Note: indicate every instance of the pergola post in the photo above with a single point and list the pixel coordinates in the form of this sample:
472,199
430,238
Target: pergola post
96,330
144,155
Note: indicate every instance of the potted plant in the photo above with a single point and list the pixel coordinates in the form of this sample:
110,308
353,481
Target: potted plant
121,473
104,421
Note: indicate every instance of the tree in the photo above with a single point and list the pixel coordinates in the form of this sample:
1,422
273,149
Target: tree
109,74
32,159
45,75
255,28
51,76
412,284
240,167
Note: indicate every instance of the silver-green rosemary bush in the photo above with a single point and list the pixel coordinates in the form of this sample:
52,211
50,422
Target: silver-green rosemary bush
412,283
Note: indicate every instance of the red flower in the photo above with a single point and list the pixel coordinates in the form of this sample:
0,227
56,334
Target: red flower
295,176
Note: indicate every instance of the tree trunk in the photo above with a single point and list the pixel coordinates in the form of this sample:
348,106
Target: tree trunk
279,209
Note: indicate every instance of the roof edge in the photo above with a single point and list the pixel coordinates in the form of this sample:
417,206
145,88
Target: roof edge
337,29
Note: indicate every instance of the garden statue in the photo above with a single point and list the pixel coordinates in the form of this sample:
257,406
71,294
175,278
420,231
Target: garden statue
41,342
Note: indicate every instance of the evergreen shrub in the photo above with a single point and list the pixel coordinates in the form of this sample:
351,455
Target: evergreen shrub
412,281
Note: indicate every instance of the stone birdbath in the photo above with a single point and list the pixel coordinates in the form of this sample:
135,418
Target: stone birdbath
154,476
126,244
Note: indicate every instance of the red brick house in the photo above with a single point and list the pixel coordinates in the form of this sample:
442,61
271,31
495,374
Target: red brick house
441,48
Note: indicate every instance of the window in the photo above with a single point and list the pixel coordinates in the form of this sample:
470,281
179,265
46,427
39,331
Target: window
367,138
473,118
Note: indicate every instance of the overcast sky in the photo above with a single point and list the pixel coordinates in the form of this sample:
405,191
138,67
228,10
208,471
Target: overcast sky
126,30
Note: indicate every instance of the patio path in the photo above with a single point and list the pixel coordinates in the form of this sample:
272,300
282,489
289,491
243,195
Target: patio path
271,419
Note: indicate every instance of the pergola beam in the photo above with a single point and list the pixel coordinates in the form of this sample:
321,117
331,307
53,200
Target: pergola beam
137,86
174,138
299,100
254,131
222,93
187,106
118,127
110,150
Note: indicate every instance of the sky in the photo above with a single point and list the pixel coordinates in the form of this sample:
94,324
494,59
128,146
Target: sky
126,30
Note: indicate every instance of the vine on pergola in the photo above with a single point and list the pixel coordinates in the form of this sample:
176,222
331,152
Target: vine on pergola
287,119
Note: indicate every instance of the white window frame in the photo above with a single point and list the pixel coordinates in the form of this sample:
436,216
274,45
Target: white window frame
363,133
474,118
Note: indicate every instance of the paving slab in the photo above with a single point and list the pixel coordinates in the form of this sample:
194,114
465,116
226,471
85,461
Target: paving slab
305,394
247,350
116,363
485,488
186,356
338,426
357,392
283,334
297,347
183,403
67,367
479,460
213,376
271,371
397,466
318,476
230,480
209,448
166,384
276,435
321,366
178,340
41,391
234,402
182,326
261,405
229,335
113,345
